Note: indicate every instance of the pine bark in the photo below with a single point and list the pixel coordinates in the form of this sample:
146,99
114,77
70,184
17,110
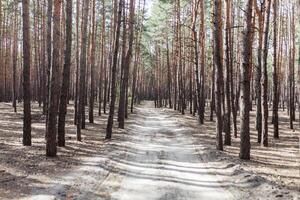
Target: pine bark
26,74
218,56
51,149
245,85
265,114
275,74
113,72
83,63
93,49
66,76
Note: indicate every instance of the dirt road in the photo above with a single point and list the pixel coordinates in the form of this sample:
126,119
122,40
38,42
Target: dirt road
160,163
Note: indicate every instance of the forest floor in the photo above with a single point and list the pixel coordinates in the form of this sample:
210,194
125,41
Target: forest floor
160,155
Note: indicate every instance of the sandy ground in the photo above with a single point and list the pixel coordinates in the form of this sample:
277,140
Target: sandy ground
160,155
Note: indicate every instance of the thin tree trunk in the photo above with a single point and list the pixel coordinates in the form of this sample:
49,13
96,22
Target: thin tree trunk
275,75
265,79
93,49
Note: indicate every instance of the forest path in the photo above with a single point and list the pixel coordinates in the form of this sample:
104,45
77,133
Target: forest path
160,162
154,158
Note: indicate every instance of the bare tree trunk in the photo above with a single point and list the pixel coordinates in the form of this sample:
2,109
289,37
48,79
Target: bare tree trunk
265,79
93,49
26,75
15,52
275,75
81,102
127,65
218,55
260,12
245,84
227,120
49,55
196,58
202,61
51,148
77,64
66,77
113,72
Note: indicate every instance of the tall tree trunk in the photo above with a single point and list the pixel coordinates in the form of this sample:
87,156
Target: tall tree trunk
51,148
127,65
260,12
202,61
49,55
77,63
265,79
15,57
113,72
196,58
93,49
66,77
227,120
275,74
26,74
245,84
218,55
103,57
81,102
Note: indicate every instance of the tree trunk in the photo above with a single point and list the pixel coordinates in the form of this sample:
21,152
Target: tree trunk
218,55
81,102
113,72
51,148
93,49
66,77
265,79
15,57
26,75
245,84
275,75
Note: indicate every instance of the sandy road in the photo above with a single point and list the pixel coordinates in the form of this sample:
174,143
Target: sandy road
159,161
154,160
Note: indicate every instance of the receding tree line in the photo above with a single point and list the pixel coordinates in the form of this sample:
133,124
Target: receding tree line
227,58
216,60
56,51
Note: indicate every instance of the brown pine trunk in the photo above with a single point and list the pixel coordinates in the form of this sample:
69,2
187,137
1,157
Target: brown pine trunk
275,74
77,63
260,12
26,74
127,66
51,148
103,57
113,72
15,52
93,49
265,79
227,120
82,77
218,57
202,61
66,77
49,54
245,85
